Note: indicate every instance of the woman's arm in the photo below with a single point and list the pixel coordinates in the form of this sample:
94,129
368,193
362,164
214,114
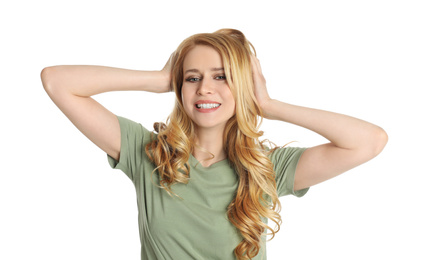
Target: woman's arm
71,88
352,141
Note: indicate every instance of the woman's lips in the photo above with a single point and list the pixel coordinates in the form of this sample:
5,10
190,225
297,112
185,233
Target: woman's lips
206,106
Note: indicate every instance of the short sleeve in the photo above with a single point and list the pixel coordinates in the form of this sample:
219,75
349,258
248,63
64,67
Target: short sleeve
285,162
133,139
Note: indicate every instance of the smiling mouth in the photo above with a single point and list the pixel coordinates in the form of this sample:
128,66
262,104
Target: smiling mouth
207,105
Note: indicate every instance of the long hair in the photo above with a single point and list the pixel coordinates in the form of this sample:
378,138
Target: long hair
256,198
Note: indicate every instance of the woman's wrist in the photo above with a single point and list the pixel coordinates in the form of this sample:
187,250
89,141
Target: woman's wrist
155,81
166,81
268,109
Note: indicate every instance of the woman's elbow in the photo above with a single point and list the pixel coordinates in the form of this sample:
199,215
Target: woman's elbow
380,139
47,78
45,75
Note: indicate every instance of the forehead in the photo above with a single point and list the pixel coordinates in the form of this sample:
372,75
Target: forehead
202,57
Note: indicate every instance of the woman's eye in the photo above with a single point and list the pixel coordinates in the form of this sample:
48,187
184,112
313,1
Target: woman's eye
193,79
221,77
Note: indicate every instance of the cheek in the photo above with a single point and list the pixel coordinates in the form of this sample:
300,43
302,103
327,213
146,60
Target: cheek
231,98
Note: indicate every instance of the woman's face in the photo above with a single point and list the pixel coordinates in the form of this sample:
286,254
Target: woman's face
206,97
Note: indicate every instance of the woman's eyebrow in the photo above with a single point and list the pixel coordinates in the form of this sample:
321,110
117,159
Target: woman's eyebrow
196,70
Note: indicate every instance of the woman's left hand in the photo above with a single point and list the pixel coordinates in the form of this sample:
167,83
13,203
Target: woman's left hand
261,92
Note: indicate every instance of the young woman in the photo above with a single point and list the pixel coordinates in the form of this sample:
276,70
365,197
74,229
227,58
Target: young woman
206,186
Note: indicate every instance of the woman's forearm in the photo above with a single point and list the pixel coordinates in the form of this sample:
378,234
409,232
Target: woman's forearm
71,87
88,80
342,130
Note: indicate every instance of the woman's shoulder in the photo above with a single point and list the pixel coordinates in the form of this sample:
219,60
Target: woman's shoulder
132,129
278,154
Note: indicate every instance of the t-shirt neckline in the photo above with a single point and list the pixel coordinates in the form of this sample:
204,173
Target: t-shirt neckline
196,164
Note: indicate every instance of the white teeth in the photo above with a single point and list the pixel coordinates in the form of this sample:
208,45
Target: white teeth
207,106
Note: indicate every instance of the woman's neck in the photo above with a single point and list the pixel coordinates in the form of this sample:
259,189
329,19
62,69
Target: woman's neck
208,142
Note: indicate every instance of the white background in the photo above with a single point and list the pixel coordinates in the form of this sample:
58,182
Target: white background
60,200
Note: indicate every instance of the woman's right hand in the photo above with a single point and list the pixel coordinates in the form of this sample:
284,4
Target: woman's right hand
167,73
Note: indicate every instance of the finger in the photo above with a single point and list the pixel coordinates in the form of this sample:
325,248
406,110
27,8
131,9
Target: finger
253,61
256,64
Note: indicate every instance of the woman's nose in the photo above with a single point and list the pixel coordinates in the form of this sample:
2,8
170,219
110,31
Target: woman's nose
205,87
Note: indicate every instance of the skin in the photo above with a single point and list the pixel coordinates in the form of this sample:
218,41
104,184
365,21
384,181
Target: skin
351,141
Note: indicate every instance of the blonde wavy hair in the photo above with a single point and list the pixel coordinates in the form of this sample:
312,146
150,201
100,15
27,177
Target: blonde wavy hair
256,198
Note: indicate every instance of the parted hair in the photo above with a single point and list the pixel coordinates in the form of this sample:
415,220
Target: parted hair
256,197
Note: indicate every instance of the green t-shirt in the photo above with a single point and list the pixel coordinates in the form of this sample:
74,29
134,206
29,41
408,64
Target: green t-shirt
196,226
